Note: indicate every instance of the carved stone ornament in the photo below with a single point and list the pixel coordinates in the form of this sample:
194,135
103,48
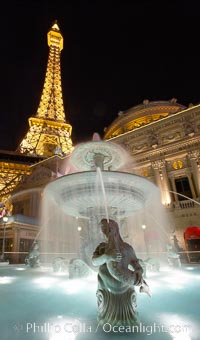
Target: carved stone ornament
194,155
158,164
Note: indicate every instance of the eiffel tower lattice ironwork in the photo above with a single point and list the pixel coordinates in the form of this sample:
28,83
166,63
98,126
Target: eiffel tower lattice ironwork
49,133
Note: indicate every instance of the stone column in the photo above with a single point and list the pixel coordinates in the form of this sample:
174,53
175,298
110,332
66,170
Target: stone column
191,186
166,186
174,189
194,158
162,180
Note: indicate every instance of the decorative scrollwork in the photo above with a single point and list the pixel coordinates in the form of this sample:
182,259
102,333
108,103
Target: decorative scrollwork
158,164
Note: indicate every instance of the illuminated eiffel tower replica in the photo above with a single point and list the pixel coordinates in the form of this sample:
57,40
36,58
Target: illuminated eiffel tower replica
49,133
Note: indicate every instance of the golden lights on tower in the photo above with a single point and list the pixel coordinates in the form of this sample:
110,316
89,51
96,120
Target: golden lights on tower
49,133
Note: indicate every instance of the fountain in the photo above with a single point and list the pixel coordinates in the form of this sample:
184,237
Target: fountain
98,193
98,189
46,304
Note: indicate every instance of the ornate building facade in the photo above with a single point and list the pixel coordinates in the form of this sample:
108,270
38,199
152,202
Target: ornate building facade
162,138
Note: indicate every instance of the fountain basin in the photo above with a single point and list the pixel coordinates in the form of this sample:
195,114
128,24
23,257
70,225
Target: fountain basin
80,194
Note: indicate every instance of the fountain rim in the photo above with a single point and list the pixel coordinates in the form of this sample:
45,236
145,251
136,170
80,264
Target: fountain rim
124,191
105,174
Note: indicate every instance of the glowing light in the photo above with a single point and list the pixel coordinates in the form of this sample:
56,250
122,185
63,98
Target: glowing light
178,279
46,282
70,327
61,274
177,164
180,328
20,268
62,336
166,269
166,200
73,286
172,283
174,280
154,285
7,279
182,337
92,278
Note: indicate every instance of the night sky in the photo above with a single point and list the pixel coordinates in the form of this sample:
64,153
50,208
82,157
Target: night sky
116,54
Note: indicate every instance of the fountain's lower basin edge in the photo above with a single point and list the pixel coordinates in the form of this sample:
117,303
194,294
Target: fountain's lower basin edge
80,194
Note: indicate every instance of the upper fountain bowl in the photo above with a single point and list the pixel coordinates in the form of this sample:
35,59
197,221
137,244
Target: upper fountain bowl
103,192
98,153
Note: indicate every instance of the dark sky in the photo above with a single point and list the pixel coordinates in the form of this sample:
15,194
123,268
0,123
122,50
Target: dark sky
116,54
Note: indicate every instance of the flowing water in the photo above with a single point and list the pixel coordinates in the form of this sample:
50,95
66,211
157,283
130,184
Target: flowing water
102,191
70,214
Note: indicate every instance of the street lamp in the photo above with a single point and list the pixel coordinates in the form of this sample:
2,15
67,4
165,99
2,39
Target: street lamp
5,220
